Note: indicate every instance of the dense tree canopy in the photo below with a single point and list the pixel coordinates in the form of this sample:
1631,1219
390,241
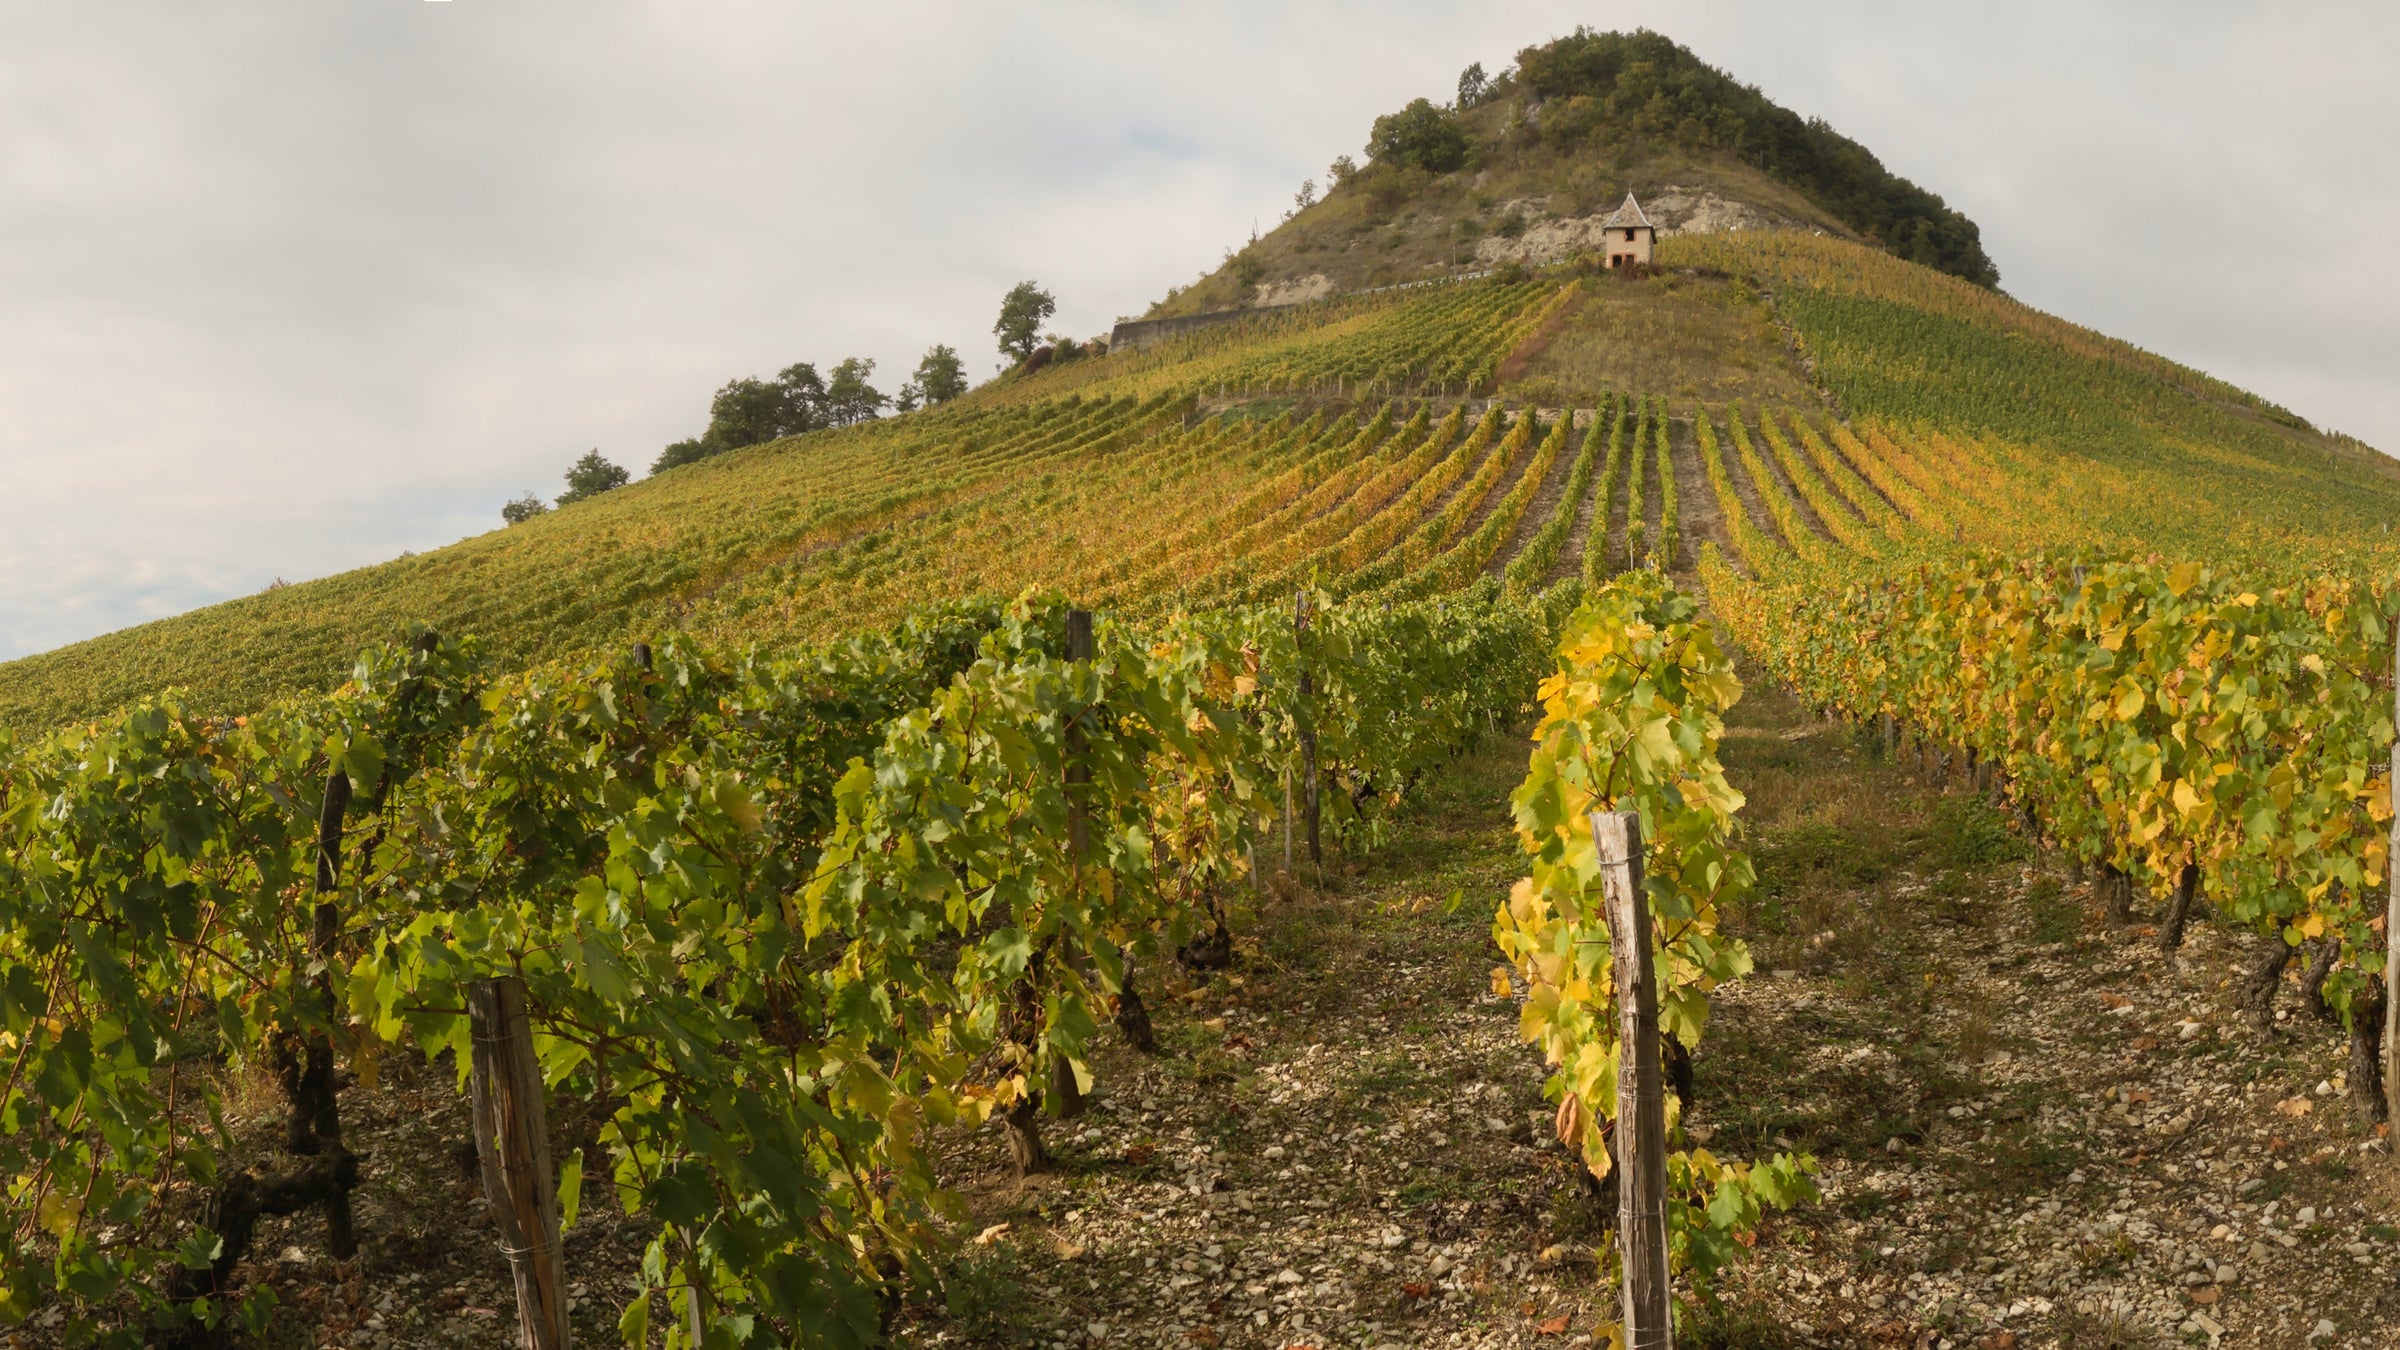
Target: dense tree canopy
1616,88
749,411
1419,136
941,376
589,477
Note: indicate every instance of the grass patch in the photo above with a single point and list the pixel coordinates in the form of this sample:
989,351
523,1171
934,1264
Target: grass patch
1967,833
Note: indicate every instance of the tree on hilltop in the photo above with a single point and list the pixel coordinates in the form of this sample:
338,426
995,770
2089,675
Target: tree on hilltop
590,476
523,508
849,399
1022,312
941,376
1473,84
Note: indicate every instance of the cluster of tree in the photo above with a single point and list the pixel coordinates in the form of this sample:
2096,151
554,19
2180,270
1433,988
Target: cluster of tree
800,399
587,477
749,411
1621,88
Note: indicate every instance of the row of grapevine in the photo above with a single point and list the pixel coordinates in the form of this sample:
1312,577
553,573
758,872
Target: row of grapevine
2221,744
776,920
1530,570
1475,551
1435,532
1597,564
1670,518
1637,523
1631,716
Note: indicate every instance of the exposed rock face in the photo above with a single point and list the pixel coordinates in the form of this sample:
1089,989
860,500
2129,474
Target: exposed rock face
1675,210
1314,286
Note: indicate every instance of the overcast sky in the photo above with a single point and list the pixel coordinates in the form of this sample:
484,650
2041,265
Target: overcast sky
291,286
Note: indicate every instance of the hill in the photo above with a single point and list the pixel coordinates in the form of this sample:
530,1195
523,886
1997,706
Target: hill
1160,476
1524,167
1234,452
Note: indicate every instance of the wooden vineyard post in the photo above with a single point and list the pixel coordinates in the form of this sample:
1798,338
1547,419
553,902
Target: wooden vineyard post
1066,1095
1079,773
1641,1093
2391,937
513,1141
1308,732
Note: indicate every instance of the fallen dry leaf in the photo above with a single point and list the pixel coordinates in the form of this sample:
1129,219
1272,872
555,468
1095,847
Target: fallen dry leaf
2115,1001
2295,1107
1416,1290
2145,1042
990,1235
1569,1124
2205,1295
1140,1153
1201,1336
1556,1326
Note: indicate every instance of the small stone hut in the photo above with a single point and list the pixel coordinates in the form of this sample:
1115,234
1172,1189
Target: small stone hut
1627,236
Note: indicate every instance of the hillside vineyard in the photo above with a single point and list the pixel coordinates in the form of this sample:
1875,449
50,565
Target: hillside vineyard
873,844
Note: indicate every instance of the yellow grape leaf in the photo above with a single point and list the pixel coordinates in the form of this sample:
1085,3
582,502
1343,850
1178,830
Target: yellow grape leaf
1502,986
2129,705
2186,800
58,1215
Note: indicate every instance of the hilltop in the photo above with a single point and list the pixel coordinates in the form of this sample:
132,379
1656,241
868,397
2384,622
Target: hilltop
1523,167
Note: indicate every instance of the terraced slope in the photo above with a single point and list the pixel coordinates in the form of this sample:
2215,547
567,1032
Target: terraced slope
1231,463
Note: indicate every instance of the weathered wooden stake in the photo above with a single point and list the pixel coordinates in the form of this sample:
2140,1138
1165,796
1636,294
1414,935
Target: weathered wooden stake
513,1141
1308,732
1641,1098
1287,823
1066,1095
2391,942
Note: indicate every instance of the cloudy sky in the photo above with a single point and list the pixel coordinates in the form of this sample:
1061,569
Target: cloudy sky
290,286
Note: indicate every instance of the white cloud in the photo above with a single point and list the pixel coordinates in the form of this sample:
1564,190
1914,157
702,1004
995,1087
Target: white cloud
293,288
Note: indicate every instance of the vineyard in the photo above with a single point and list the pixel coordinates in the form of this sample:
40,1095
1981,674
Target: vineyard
832,802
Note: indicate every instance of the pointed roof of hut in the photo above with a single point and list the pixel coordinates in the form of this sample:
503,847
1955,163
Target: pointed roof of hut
1630,214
